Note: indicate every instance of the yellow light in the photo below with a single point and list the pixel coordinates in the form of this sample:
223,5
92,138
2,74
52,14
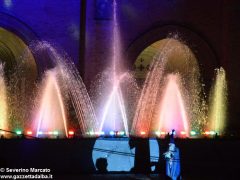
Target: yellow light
71,132
183,133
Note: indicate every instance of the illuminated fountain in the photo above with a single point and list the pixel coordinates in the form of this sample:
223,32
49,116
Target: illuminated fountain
172,96
164,104
172,112
114,110
218,103
51,115
115,101
112,116
62,86
3,101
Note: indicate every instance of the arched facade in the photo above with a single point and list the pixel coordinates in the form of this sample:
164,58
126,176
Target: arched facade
204,54
14,45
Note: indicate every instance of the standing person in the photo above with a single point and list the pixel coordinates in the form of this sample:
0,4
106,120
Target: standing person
142,155
172,158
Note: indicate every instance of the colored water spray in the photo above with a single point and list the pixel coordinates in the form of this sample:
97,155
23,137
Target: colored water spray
3,100
66,85
218,102
172,112
114,116
51,114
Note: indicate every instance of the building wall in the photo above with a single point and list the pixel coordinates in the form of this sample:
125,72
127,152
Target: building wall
55,21
138,18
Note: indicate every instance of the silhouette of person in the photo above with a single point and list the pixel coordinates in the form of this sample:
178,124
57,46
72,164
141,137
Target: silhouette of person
142,155
101,165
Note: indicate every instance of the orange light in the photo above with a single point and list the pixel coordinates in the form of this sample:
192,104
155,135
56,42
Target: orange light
207,132
162,133
71,132
29,132
142,133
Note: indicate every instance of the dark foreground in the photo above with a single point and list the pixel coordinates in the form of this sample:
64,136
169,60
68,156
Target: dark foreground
72,158
147,177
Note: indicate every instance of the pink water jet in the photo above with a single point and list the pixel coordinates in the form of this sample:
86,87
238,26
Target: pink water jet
164,103
51,115
172,112
62,90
